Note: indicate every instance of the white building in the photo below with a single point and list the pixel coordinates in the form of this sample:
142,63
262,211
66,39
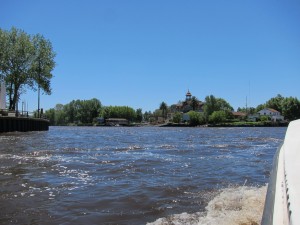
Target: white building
253,117
185,117
274,114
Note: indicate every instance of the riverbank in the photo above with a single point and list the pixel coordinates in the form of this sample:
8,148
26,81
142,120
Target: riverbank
230,124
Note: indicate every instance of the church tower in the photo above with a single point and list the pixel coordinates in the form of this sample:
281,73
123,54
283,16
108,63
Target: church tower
188,96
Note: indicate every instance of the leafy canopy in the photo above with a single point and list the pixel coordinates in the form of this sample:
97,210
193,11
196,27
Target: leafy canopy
26,61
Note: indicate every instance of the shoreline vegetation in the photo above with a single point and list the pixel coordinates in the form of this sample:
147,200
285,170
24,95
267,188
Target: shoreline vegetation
213,112
234,124
229,124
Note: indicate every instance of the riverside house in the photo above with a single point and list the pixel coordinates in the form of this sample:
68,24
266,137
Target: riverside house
116,122
272,113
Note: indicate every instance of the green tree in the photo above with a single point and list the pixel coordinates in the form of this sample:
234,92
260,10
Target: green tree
76,112
196,118
139,115
264,118
50,115
250,110
147,115
194,103
213,104
92,109
210,105
163,107
260,107
82,111
42,65
177,117
217,117
129,113
59,115
223,105
25,62
173,108
157,113
16,54
291,108
70,112
275,103
106,112
124,112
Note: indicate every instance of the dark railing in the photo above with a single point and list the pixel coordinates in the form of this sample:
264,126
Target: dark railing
27,114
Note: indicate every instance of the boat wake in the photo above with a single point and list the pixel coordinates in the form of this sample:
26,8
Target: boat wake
232,206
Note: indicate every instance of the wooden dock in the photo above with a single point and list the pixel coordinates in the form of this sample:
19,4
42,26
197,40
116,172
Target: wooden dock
22,124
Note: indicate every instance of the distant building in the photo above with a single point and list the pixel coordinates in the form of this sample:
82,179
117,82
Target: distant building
272,113
185,117
116,122
187,105
101,120
239,115
253,117
188,96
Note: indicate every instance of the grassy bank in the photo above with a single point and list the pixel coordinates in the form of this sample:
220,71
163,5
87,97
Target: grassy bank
249,124
231,124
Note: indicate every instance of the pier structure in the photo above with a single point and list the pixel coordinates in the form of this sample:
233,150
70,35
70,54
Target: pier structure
22,124
11,121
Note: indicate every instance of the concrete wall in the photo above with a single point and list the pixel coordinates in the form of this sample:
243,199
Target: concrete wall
11,124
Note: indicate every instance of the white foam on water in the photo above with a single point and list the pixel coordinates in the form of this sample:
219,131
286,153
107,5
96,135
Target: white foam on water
233,206
33,156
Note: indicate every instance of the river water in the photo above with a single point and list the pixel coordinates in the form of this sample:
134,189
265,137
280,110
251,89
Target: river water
136,175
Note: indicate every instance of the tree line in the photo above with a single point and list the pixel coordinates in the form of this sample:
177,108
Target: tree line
289,107
215,110
76,112
26,61
88,112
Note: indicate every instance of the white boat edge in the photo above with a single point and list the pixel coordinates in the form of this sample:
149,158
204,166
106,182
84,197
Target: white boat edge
282,204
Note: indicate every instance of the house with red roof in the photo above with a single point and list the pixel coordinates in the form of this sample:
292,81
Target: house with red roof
272,113
239,115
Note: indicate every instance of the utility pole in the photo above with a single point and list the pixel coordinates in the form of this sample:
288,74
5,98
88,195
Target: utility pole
246,105
39,101
23,107
39,89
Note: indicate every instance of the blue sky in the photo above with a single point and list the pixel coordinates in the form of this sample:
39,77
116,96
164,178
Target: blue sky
140,53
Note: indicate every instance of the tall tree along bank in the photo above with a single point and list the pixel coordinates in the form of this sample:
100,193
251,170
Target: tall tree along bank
26,62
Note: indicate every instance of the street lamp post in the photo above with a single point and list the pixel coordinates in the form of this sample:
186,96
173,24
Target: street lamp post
39,101
39,89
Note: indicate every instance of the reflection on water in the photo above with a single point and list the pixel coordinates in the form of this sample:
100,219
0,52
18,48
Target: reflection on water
76,175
